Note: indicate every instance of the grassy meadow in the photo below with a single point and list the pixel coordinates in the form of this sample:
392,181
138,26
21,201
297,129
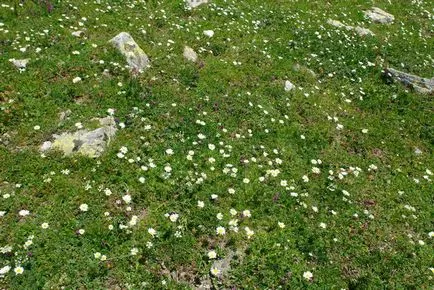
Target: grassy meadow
217,177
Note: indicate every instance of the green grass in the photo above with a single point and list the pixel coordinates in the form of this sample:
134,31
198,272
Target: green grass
377,222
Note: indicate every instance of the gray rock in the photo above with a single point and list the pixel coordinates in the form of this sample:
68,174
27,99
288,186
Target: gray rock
419,84
303,69
195,3
335,23
205,283
46,146
359,30
190,54
224,264
88,143
19,63
5,139
363,31
136,57
289,86
65,114
379,16
77,33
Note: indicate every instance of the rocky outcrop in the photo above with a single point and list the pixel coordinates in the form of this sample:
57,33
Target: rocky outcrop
419,84
88,143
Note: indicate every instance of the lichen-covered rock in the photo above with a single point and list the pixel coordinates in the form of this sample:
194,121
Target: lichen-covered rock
379,16
419,84
136,57
359,30
190,54
195,3
88,143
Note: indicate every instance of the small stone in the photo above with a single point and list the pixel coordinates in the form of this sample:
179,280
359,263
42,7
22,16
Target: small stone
76,80
136,57
190,54
379,16
195,3
289,86
46,146
5,139
77,33
20,63
65,114
224,265
209,33
303,69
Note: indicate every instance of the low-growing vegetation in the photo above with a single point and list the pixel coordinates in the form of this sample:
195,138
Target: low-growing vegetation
274,152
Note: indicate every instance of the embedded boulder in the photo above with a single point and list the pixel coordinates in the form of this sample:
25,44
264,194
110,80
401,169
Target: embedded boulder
77,33
190,54
358,29
135,56
419,84
20,64
377,15
300,68
289,86
88,143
